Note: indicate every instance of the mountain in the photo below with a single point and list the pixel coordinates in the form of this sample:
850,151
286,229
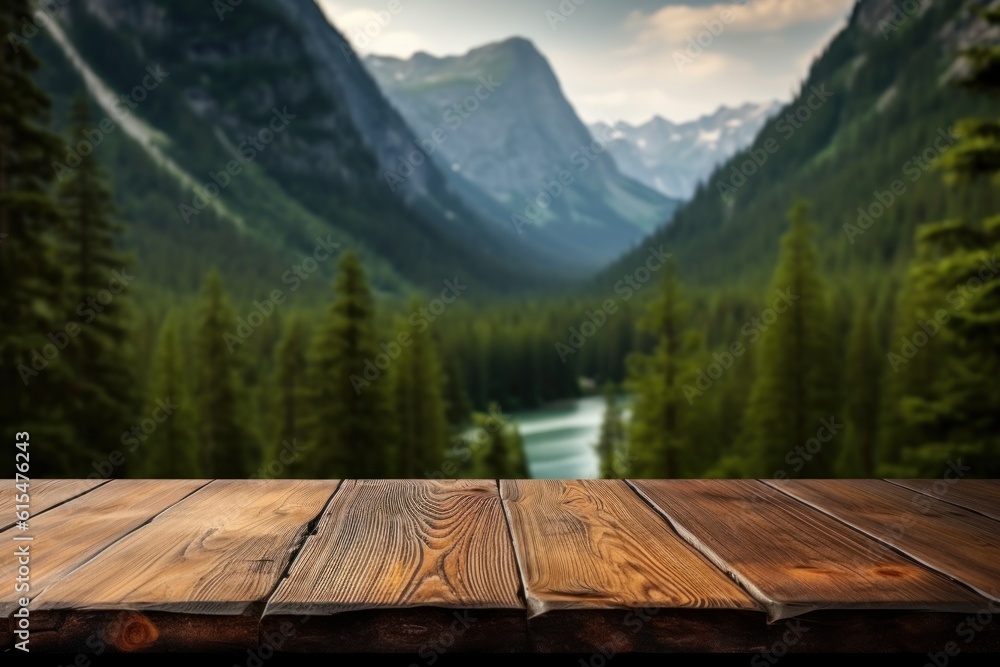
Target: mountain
225,74
497,123
674,157
858,142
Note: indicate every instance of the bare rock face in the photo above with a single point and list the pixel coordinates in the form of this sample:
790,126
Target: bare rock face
199,47
344,78
504,134
278,67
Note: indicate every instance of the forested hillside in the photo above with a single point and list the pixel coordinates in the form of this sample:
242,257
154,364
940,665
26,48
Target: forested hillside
826,305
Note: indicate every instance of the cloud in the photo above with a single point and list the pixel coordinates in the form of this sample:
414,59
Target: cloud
370,30
673,25
761,52
619,62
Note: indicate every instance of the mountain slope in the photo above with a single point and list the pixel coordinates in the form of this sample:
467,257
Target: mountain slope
881,106
673,158
226,80
496,121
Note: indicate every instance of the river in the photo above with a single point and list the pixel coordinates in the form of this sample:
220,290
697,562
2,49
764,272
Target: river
560,440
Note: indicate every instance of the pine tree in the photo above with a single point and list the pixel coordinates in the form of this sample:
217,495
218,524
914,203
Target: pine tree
457,405
403,385
956,414
909,379
172,451
101,397
516,453
977,152
351,428
290,390
611,444
864,370
422,427
501,456
224,428
33,279
656,435
793,390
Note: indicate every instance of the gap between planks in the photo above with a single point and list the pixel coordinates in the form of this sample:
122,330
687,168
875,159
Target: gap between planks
312,525
123,535
398,587
179,621
706,553
858,530
522,590
885,542
856,573
310,531
949,499
4,527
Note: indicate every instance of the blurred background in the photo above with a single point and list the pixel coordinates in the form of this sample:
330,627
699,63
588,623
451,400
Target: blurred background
385,238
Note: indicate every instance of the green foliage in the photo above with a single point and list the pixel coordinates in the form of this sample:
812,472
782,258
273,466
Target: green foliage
318,177
351,430
948,409
225,431
418,405
612,444
501,453
796,373
101,398
308,377
863,374
885,107
657,429
289,409
172,451
33,278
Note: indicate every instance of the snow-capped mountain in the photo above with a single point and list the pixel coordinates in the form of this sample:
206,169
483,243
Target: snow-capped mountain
674,157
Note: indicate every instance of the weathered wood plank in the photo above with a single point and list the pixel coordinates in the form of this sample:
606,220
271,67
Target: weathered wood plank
68,535
588,547
980,495
400,565
431,567
71,534
43,495
957,542
218,553
595,544
795,559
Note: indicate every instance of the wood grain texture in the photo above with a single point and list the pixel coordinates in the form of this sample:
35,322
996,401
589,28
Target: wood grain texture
405,543
219,552
43,495
980,495
431,567
957,542
397,545
594,544
794,559
71,534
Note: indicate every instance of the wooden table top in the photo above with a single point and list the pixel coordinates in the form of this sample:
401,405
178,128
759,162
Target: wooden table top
510,565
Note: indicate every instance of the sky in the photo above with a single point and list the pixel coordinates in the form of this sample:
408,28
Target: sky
619,59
